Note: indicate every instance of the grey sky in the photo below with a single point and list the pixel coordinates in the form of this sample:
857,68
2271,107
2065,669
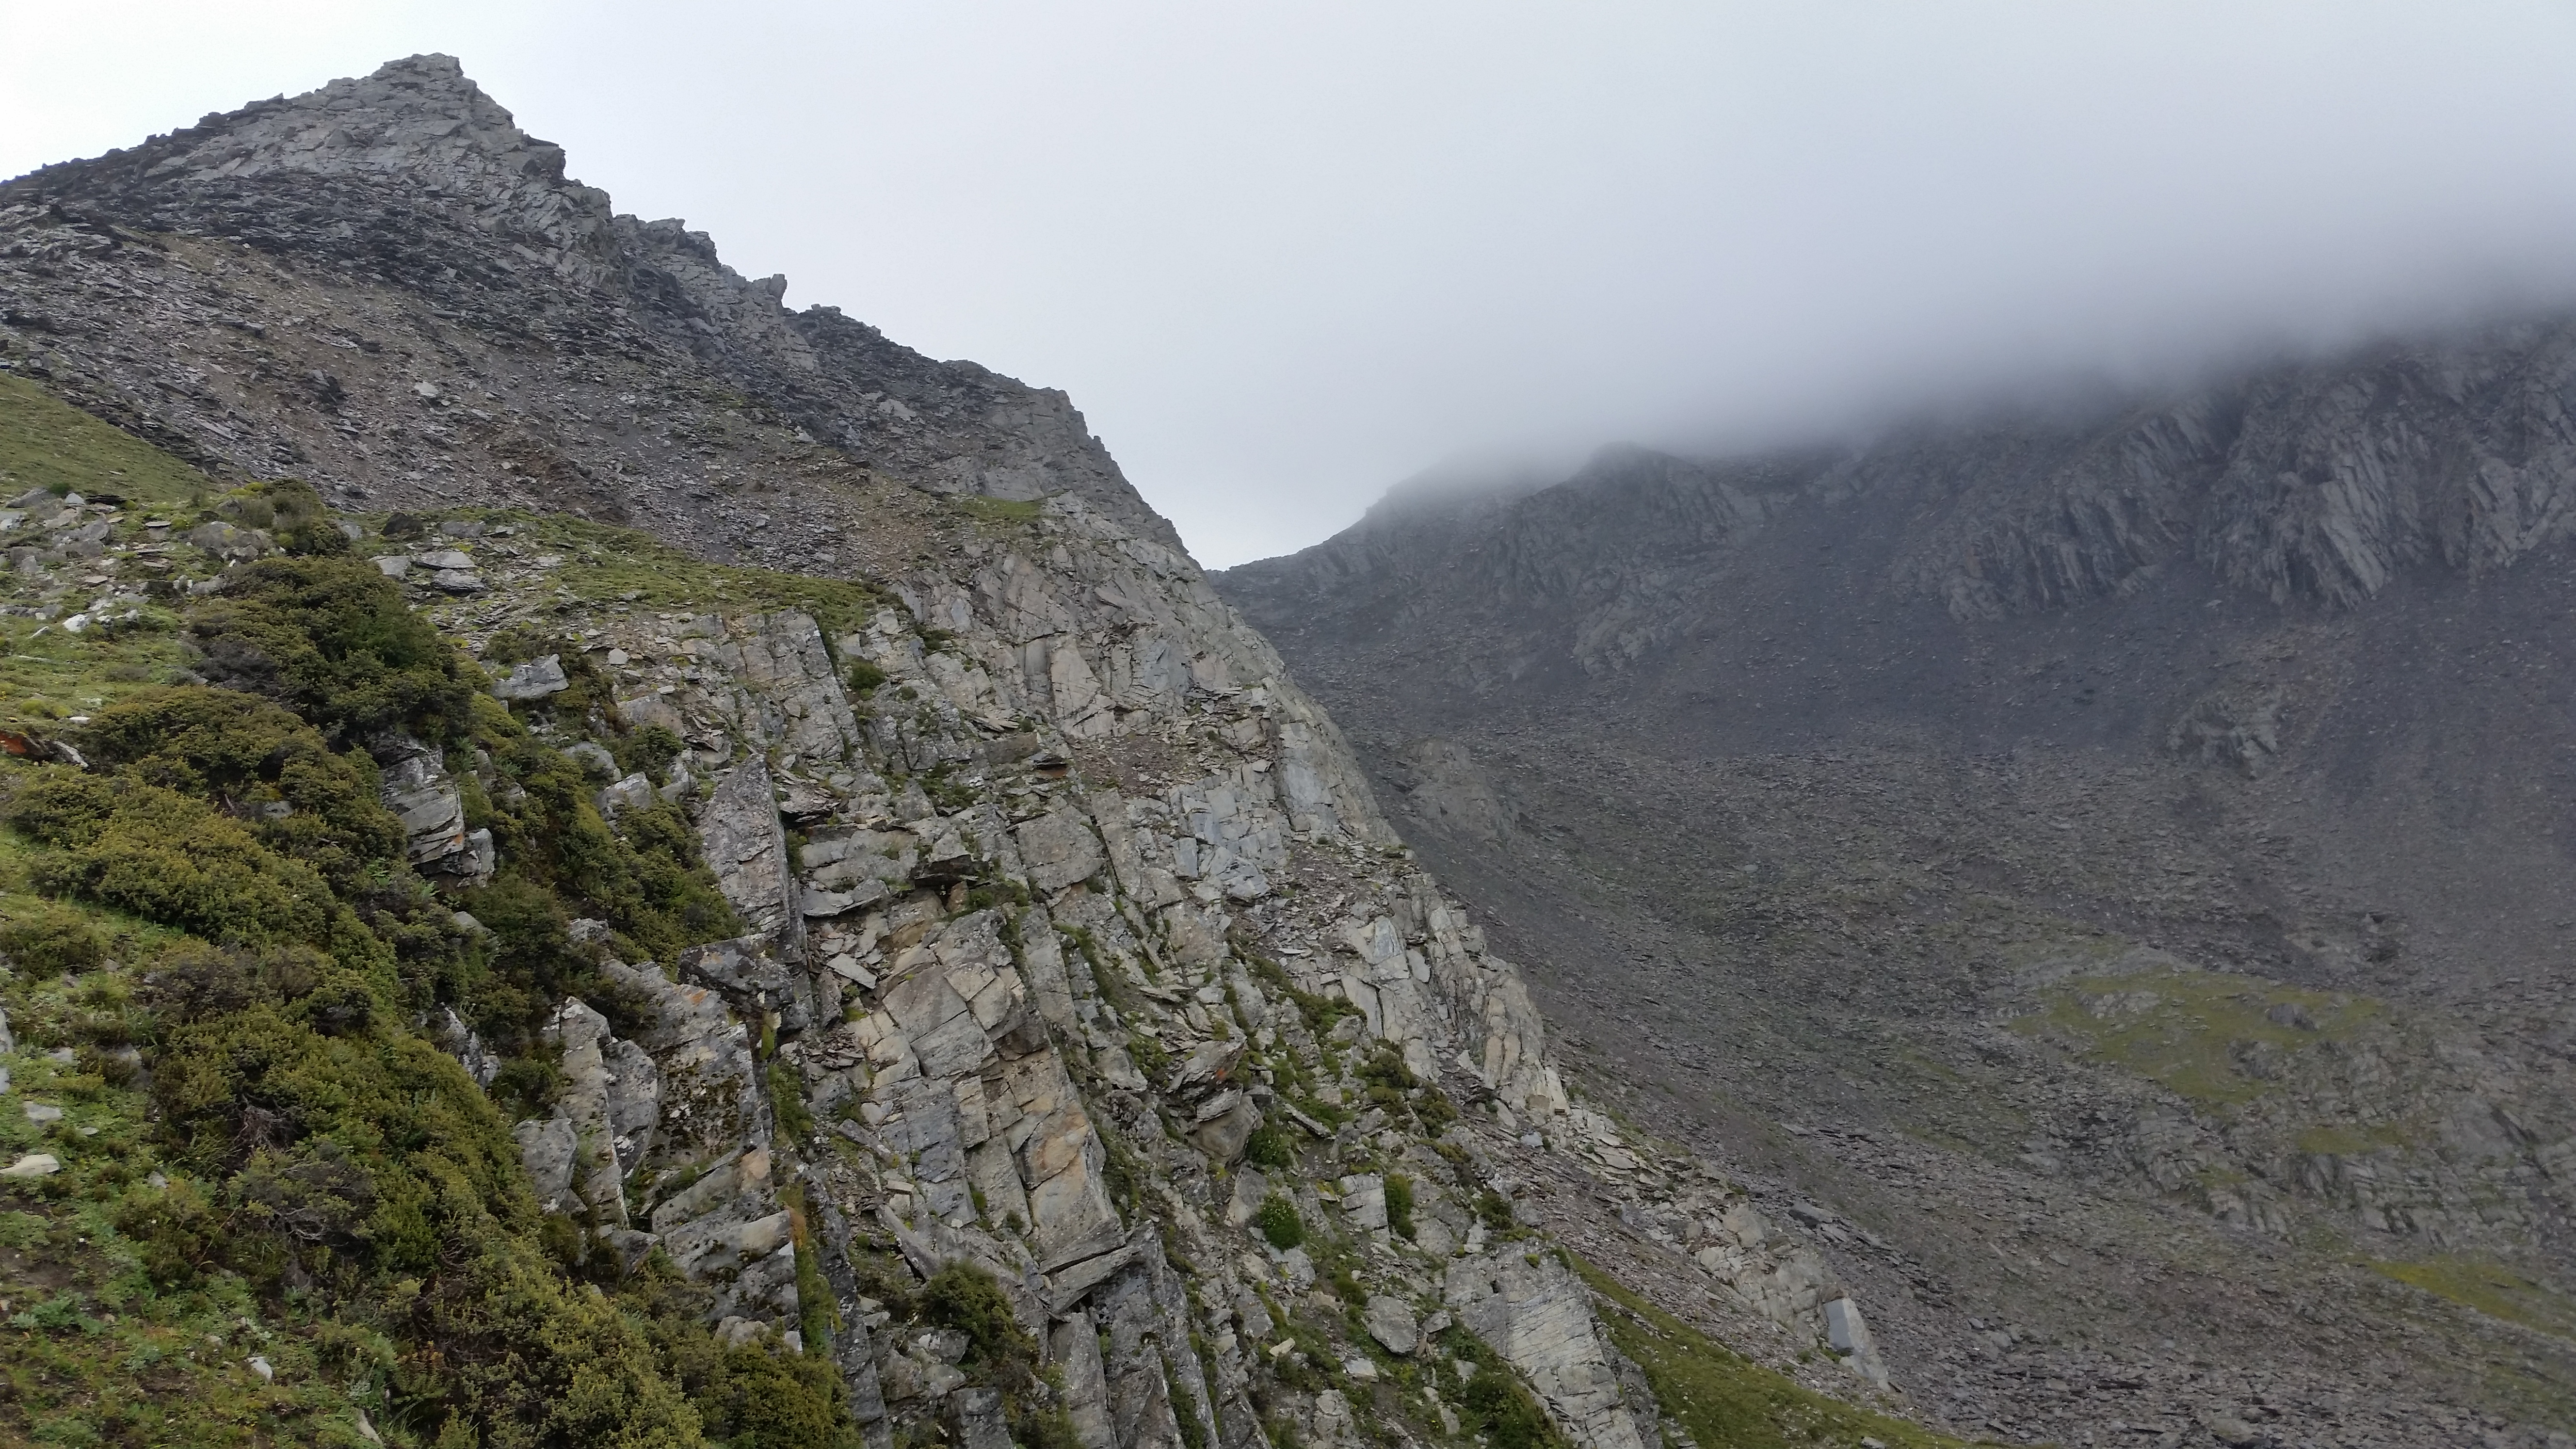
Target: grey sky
1284,255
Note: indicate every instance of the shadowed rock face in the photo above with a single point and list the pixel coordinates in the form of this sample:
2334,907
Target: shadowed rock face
1984,800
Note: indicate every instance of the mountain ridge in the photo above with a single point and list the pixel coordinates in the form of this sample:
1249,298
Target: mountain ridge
1947,788
1076,1057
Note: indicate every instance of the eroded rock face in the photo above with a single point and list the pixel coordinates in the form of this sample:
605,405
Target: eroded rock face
1533,1310
417,788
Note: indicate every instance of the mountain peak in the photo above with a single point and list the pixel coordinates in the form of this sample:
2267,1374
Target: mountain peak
419,122
415,113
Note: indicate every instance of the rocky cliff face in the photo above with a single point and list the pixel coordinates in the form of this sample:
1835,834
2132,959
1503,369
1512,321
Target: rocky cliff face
2124,820
1072,946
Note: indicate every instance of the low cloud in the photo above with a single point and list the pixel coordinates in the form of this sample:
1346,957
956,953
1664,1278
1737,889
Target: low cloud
1284,256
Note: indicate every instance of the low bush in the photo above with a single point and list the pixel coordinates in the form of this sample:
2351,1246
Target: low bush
48,942
1278,1221
1271,1147
331,639
1399,1205
1493,1405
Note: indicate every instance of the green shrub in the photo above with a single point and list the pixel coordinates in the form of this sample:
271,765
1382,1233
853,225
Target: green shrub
1278,1221
650,750
787,1101
1434,1111
176,1228
1399,1205
50,941
644,877
766,1398
294,515
1270,1146
332,640
260,763
171,858
865,677
964,1297
1493,1406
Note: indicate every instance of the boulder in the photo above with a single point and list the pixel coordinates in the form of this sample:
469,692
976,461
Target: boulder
539,678
746,848
1847,1333
414,784
546,1149
1059,849
1225,1123
635,792
754,979
1539,1316
1391,1322
1074,1349
975,1419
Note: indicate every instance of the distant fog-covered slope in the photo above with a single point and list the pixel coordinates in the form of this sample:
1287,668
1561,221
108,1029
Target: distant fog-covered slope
2110,818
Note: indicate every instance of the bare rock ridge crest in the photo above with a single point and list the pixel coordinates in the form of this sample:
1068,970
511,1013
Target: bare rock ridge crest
1060,894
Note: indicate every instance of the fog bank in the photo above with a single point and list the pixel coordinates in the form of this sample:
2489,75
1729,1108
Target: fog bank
1283,256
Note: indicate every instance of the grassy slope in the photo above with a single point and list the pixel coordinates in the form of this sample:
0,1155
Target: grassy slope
1726,1401
49,444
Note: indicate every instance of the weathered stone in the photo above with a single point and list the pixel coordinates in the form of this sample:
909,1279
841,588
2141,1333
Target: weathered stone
1225,1123
739,1174
975,1419
913,1375
1069,1206
938,1023
594,758
1531,1309
634,1101
746,848
1847,1333
1250,1187
709,1082
1074,1348
1364,1201
635,792
1059,849
1390,1321
1210,1065
539,678
754,979
546,1149
584,1037
415,786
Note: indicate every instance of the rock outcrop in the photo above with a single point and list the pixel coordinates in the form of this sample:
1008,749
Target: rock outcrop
1061,901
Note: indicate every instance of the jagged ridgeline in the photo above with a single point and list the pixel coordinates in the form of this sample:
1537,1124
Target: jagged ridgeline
485,977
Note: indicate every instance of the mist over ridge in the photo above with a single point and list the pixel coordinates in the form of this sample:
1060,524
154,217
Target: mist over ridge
1281,260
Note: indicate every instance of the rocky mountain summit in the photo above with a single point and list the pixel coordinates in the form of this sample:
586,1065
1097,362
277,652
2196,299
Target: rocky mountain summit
2118,856
592,859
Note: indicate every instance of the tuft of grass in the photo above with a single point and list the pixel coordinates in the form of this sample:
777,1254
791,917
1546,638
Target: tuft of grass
1724,1398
